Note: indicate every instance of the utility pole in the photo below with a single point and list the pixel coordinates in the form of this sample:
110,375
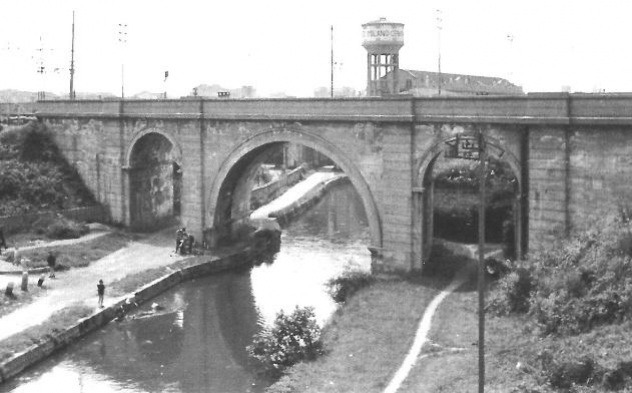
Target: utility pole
439,27
482,174
71,94
165,83
332,62
122,37
41,95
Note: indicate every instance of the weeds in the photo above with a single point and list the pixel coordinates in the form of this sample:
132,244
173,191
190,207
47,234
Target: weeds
344,286
292,339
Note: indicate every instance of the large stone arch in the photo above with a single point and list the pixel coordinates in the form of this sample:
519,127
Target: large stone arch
149,206
422,198
299,136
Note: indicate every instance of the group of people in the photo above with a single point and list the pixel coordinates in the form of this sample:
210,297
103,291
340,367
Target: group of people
184,241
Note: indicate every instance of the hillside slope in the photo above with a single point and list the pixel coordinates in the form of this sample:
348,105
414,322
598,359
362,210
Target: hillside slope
35,176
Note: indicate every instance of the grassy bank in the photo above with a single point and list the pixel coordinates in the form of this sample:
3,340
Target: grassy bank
70,256
570,333
80,254
59,321
367,339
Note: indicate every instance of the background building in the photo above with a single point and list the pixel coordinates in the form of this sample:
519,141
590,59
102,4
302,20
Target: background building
426,83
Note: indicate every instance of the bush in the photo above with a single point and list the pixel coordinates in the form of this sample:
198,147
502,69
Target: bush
60,228
343,287
513,293
584,282
292,339
566,371
35,174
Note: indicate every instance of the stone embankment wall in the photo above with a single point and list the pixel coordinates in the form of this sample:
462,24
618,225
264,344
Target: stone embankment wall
284,216
56,341
268,192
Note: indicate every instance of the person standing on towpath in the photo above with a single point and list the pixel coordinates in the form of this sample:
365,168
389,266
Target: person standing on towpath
51,264
101,292
3,242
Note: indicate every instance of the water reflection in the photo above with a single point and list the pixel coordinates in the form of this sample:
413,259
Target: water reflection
197,341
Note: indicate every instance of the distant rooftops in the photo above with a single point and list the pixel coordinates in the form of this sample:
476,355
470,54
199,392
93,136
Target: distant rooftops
410,80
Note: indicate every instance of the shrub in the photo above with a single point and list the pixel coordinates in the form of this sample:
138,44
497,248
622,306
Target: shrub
36,174
583,282
292,339
513,293
343,287
60,228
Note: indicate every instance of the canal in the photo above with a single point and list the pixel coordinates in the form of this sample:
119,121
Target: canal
195,340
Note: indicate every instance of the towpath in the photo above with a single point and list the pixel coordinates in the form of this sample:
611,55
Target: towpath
293,194
80,284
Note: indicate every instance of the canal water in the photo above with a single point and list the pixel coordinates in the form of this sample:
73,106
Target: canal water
196,340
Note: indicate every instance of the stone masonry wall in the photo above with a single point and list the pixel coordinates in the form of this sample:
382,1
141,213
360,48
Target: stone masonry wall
600,172
547,184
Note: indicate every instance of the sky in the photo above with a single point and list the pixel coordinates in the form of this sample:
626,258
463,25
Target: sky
285,45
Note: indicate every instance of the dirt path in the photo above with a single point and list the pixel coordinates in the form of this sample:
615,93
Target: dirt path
421,336
80,284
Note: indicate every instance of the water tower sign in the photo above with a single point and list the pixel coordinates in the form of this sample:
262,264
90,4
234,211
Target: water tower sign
382,40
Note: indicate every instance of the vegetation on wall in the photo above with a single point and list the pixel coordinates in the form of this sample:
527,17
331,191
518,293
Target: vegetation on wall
35,175
580,287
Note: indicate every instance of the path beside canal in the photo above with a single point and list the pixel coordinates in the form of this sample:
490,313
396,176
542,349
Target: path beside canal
153,251
293,194
79,285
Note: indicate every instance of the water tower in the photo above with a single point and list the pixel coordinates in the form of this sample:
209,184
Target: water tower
382,40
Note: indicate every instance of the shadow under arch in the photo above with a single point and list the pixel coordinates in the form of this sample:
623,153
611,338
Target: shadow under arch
253,146
423,194
152,176
150,130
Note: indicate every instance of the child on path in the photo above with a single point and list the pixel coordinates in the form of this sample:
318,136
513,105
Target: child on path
17,256
100,292
51,263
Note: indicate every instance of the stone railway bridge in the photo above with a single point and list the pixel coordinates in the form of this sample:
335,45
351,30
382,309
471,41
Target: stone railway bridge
196,159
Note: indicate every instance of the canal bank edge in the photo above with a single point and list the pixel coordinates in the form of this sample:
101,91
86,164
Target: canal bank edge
57,341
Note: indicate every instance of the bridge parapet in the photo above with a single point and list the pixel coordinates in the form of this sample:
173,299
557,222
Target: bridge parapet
538,108
601,109
364,109
76,108
173,109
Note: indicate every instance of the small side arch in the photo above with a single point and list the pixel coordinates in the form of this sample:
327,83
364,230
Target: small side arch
315,142
150,130
422,194
152,190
